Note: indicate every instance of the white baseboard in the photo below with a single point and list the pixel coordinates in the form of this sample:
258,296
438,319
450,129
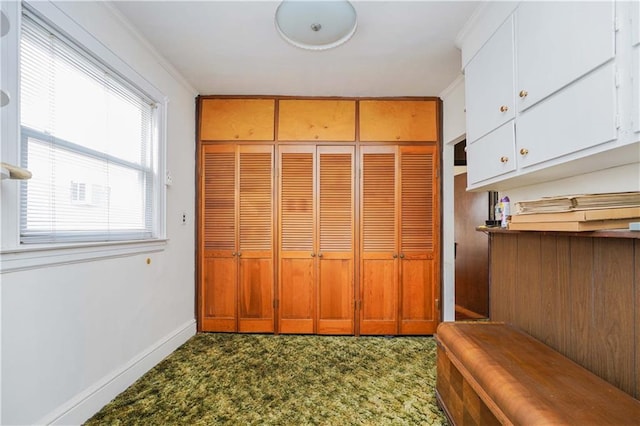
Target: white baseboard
80,408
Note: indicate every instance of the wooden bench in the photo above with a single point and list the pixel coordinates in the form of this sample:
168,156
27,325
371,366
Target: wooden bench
491,373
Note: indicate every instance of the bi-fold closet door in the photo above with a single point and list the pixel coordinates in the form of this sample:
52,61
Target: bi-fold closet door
316,239
237,238
399,244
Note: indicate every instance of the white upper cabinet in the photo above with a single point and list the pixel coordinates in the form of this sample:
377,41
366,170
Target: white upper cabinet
559,42
489,84
553,92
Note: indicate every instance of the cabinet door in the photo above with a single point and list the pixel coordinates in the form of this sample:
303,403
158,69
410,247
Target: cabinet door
316,119
419,240
219,269
336,240
382,120
378,237
255,240
237,119
588,119
558,42
489,84
297,235
492,155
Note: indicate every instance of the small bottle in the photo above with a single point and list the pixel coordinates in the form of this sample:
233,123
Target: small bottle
506,211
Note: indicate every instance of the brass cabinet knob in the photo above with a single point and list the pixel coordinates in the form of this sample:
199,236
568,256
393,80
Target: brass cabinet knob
239,254
504,159
524,151
401,255
504,108
313,255
395,256
523,93
319,254
233,254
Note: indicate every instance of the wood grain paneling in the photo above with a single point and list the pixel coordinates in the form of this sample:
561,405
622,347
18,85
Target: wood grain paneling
503,260
219,294
316,120
579,295
636,299
398,120
472,248
612,348
237,119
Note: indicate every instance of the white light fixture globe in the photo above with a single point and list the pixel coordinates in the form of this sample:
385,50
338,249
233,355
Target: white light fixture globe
316,24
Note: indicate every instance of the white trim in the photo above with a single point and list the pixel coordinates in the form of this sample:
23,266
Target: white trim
451,87
84,405
41,256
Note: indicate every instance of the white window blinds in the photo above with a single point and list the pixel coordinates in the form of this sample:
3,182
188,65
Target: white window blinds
89,140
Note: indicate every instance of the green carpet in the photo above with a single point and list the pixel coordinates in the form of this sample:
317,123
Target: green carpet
285,380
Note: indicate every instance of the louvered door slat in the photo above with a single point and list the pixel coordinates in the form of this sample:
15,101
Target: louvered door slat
378,203
417,202
297,202
256,201
219,200
336,202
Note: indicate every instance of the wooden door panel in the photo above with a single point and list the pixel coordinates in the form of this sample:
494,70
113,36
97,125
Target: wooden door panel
418,315
237,119
379,310
255,298
297,291
316,120
335,301
419,240
336,240
255,239
297,295
219,294
379,229
218,311
394,120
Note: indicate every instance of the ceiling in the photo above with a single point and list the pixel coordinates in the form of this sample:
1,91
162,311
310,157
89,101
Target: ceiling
401,48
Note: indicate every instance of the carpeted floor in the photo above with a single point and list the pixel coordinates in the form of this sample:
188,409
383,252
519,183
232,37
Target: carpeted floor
285,380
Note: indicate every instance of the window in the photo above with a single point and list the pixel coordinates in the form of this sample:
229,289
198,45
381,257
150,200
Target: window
90,140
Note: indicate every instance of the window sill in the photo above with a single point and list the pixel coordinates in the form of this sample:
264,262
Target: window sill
40,256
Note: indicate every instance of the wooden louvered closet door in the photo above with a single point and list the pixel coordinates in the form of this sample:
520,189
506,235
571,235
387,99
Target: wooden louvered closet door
419,240
255,239
379,240
336,240
297,286
237,222
218,291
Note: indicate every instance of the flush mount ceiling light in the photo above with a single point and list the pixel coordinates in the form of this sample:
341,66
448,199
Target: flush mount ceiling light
316,24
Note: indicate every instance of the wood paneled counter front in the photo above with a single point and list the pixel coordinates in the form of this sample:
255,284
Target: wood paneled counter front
576,292
319,215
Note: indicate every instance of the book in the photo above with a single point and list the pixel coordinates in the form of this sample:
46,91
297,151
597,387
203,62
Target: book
578,202
575,226
578,215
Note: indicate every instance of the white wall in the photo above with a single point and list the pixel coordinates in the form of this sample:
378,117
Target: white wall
454,131
75,335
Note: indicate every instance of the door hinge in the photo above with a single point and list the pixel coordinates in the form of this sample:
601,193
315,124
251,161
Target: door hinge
618,78
437,304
